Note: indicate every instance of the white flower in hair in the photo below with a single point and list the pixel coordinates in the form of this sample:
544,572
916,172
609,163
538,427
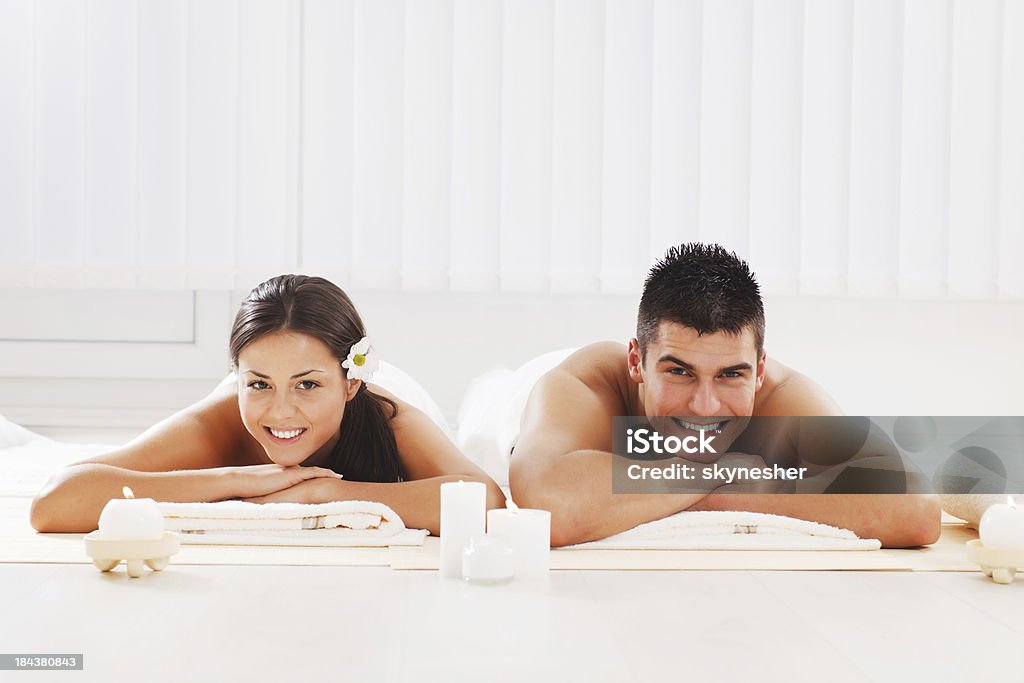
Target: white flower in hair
361,362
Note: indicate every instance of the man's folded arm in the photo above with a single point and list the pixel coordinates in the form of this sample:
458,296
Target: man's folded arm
558,465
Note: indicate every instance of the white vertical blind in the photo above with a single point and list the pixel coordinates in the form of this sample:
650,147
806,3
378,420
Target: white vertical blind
162,153
327,171
825,148
974,148
577,145
870,148
875,83
426,180
1011,153
17,130
476,145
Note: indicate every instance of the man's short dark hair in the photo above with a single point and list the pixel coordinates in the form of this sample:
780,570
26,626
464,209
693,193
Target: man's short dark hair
704,287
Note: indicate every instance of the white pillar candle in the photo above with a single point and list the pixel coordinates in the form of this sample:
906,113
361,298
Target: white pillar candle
528,532
131,519
1002,526
463,509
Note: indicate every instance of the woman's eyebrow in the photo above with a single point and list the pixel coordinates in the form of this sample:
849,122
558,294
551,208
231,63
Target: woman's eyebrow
301,374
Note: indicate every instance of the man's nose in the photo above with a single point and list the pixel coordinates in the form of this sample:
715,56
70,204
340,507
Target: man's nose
704,400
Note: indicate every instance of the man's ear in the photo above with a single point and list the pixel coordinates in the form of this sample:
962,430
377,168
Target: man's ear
635,361
760,370
353,389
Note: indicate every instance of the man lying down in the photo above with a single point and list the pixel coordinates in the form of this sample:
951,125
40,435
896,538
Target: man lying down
698,353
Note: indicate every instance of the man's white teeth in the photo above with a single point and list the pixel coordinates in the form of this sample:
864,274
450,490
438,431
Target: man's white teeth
700,428
288,434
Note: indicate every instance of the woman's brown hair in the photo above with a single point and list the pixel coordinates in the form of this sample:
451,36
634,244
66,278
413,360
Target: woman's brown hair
366,450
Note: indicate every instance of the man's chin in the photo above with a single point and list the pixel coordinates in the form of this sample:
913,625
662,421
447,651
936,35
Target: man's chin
701,458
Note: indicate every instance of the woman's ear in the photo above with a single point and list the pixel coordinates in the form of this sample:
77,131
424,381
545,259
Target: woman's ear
353,389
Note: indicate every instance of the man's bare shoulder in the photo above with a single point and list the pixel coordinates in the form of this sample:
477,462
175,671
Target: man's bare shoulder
600,365
788,392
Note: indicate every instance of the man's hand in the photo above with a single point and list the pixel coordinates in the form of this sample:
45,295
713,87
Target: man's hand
743,485
319,490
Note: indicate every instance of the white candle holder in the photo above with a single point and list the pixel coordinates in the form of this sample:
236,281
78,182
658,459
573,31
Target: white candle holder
107,553
1001,565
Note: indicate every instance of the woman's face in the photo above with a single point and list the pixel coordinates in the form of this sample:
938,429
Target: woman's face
292,394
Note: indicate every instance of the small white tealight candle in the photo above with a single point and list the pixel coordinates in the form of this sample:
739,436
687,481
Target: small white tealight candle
1002,526
487,560
528,532
463,508
131,519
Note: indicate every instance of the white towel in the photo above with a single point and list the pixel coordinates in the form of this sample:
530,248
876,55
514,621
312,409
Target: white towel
339,523
335,538
491,408
714,530
239,514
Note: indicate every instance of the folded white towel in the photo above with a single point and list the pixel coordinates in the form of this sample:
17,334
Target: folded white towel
714,530
314,537
236,515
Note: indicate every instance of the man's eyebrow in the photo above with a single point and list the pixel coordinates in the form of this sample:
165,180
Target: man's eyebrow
687,366
301,374
673,359
735,368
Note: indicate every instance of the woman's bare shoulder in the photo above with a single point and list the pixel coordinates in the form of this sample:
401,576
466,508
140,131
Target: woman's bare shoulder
208,433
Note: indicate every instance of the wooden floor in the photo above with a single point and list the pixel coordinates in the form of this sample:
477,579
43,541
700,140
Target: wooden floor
218,623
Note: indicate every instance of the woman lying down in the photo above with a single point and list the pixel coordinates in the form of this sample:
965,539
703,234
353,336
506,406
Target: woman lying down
299,424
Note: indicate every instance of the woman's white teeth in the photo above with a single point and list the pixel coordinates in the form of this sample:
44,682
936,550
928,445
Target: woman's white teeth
701,428
287,435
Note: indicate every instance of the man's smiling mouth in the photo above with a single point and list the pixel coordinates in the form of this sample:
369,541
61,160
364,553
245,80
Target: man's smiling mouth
709,427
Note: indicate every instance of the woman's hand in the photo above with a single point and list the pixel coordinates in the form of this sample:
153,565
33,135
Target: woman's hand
261,480
319,490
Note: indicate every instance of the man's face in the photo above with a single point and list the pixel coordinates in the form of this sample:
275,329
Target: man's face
705,381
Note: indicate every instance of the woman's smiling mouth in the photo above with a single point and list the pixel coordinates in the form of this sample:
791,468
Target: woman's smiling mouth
285,435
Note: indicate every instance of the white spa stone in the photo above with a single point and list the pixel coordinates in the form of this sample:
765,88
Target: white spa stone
488,560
